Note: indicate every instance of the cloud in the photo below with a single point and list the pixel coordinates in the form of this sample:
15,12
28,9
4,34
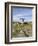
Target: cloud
25,16
16,17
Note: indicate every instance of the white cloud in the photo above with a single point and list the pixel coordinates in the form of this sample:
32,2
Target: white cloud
18,16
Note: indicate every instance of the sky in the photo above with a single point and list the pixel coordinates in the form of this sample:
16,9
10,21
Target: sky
25,13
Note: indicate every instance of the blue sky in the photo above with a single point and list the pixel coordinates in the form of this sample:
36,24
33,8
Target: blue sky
18,13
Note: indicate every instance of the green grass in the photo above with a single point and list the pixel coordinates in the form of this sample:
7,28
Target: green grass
24,27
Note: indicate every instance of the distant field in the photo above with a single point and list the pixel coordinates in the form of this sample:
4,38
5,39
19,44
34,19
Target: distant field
21,29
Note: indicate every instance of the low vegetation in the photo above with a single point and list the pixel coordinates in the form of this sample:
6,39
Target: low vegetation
21,29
